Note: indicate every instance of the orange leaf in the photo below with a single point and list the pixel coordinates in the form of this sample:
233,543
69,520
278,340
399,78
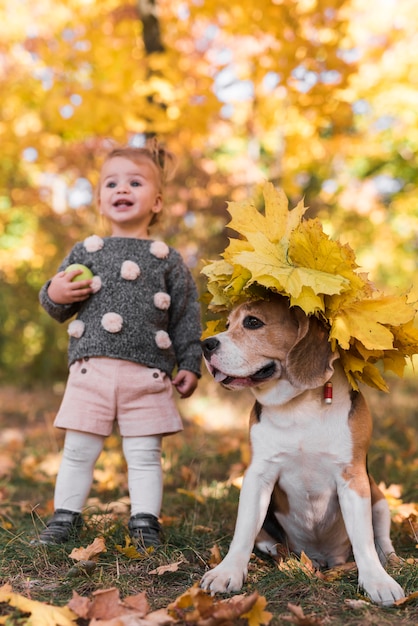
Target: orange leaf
90,553
298,617
215,556
162,569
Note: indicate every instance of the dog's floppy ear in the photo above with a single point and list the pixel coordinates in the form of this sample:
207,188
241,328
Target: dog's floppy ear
309,361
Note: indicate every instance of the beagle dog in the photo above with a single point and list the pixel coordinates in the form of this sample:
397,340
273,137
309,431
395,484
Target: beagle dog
307,485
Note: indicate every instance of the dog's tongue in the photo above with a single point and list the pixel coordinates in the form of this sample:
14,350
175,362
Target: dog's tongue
219,376
228,380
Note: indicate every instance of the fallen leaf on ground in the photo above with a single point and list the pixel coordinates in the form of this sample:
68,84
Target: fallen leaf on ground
198,607
202,529
106,607
402,601
90,553
298,617
130,551
257,615
215,556
42,614
293,566
356,604
162,569
336,572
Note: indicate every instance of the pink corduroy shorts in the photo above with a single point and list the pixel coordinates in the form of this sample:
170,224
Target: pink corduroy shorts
101,391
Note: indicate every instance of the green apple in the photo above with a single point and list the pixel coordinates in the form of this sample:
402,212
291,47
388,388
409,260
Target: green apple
86,275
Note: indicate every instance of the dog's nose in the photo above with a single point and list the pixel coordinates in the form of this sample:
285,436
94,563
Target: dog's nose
209,346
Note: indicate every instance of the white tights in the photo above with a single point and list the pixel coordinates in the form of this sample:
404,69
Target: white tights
81,451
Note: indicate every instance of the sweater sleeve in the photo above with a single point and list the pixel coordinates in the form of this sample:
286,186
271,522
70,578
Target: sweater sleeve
185,325
60,312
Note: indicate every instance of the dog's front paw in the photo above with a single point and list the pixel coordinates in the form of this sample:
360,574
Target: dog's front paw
383,590
224,578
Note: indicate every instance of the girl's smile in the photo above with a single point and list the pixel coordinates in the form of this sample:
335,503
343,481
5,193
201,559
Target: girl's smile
129,196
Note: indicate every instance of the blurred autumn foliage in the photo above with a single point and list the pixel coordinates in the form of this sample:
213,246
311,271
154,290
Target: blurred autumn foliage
317,96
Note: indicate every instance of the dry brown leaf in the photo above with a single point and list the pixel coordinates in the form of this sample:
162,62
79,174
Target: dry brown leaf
298,617
194,603
356,604
202,529
162,569
157,618
80,606
215,556
336,572
106,604
402,601
226,611
138,602
90,553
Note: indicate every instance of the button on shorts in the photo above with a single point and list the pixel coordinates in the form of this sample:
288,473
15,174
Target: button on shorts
101,391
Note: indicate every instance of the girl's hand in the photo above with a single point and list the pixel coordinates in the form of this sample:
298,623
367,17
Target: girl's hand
62,291
185,382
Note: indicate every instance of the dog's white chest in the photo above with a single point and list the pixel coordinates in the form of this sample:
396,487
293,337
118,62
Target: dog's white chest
309,439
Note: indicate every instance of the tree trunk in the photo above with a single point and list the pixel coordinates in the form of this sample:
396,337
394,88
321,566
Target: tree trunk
147,10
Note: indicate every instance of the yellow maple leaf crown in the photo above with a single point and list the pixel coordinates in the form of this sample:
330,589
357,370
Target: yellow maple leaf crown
280,252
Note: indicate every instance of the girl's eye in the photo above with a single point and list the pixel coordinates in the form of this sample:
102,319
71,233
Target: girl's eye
111,185
135,183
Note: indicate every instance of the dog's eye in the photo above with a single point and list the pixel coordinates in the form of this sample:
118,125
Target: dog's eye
252,322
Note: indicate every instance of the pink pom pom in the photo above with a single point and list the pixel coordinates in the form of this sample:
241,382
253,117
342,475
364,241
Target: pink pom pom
93,243
96,284
129,270
76,329
162,300
162,340
112,322
159,249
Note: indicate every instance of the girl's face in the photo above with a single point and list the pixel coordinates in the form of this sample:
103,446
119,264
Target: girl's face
129,196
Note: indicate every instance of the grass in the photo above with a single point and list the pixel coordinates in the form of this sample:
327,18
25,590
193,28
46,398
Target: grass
199,510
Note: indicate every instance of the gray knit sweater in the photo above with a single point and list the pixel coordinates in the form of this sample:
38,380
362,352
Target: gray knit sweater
144,308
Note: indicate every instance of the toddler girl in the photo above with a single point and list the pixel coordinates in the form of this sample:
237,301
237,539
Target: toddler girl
137,320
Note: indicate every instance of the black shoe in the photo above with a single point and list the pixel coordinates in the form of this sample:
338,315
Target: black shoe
144,530
62,526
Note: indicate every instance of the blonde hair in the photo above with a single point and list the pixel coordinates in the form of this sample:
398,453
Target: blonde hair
163,160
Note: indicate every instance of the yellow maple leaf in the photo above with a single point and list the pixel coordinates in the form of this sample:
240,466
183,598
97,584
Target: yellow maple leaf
311,247
257,615
278,252
130,551
41,614
213,327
